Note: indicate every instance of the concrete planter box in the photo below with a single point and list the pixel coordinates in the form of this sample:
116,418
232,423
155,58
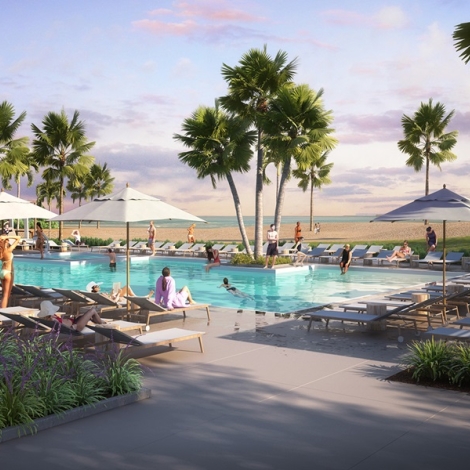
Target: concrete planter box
7,434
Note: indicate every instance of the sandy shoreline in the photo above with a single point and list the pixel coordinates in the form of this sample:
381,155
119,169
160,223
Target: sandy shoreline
330,232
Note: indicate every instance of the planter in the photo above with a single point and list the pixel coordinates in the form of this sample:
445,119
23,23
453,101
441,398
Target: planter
13,432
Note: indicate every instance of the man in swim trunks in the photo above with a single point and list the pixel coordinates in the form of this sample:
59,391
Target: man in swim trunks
152,233
272,246
112,259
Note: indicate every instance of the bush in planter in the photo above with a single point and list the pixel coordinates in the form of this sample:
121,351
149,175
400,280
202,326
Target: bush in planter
243,259
41,375
429,359
460,369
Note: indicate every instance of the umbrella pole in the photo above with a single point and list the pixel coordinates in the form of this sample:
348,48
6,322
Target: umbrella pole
128,303
444,268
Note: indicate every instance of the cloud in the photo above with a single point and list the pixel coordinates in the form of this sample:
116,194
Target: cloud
390,18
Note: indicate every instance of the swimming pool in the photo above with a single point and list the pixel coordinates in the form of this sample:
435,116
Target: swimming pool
281,291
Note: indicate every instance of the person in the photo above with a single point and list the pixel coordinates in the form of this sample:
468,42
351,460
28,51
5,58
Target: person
234,291
403,252
431,239
7,272
272,246
346,257
40,239
297,233
191,233
213,258
78,238
112,259
48,311
6,228
117,296
152,233
166,295
301,256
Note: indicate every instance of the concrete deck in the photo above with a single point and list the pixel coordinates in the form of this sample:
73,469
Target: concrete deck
265,395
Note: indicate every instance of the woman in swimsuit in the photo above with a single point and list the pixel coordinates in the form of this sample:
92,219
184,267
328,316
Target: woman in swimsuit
191,233
212,257
48,312
40,239
234,291
7,272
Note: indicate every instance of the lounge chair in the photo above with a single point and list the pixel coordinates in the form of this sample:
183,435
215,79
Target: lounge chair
73,246
380,258
431,257
140,247
287,247
52,245
123,248
183,249
334,248
26,321
318,251
105,304
448,333
113,244
359,247
74,299
196,249
165,247
218,246
359,253
331,257
452,257
148,308
373,250
37,295
151,340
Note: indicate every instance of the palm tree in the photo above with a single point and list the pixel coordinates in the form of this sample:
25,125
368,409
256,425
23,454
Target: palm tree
313,174
425,139
462,40
47,191
220,145
62,148
99,182
14,153
296,128
252,84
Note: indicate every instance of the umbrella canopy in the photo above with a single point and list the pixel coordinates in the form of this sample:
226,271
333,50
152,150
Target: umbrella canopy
127,205
12,207
442,205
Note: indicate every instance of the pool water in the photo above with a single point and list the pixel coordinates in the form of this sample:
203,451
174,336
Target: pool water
281,291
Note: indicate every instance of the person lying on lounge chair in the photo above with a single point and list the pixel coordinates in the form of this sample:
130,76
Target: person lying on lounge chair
48,311
403,252
117,296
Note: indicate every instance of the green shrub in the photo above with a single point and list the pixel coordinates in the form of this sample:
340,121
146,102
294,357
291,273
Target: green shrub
244,259
429,359
460,369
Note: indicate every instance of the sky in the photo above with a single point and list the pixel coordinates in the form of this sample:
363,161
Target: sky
135,69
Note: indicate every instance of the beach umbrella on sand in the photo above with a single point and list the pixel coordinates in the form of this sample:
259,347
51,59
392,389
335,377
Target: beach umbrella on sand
443,205
127,206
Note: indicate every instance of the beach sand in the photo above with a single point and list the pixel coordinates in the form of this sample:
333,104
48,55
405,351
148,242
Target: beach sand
330,232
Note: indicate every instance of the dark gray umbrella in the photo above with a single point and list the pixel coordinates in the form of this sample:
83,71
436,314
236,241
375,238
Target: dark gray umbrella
442,205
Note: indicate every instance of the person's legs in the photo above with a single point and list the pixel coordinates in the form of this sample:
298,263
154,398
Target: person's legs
92,315
188,292
6,288
273,262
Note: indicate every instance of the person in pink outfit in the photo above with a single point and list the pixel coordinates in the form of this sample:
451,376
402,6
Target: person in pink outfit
166,295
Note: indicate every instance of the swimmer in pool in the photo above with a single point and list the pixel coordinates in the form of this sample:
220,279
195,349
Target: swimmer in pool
234,291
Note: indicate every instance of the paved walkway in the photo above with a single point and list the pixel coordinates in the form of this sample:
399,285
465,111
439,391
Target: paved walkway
265,395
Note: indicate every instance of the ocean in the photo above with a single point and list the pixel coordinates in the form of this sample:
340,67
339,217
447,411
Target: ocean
231,221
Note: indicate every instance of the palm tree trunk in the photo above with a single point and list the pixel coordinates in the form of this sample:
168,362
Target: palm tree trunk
259,201
282,192
61,206
426,183
311,205
238,210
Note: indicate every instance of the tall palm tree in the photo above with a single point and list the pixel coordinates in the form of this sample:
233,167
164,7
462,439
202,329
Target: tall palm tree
425,139
313,174
296,130
220,145
252,84
14,153
99,182
462,40
62,148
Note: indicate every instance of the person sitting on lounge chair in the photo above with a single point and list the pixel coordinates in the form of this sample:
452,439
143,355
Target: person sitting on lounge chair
403,252
117,296
166,294
48,311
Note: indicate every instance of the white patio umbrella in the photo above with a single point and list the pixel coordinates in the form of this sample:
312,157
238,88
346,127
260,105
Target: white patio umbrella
127,206
443,205
12,207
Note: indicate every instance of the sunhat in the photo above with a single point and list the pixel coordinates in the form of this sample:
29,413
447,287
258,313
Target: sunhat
90,285
47,309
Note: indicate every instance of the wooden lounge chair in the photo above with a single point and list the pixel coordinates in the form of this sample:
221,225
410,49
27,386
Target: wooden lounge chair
26,321
105,304
448,333
148,309
37,295
74,299
153,339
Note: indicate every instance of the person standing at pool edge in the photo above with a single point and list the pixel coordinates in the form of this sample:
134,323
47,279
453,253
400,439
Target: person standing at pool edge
151,237
431,239
346,257
272,246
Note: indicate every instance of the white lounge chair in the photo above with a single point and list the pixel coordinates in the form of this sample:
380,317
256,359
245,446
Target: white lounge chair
452,257
431,257
150,340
